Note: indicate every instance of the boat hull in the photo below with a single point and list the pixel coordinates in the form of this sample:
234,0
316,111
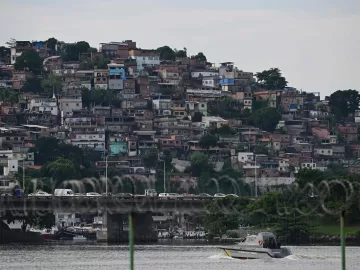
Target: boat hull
256,253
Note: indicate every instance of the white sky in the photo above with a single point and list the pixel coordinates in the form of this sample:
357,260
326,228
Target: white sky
315,43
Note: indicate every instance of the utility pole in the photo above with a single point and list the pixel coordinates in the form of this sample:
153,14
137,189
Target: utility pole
255,179
106,175
23,171
164,177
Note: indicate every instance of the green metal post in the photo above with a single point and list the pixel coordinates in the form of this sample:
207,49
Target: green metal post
342,236
131,240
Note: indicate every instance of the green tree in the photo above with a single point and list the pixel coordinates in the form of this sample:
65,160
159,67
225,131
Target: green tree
86,97
60,169
103,97
33,85
223,130
29,60
199,164
265,119
52,83
181,53
150,159
73,51
197,117
271,79
10,96
207,141
224,214
166,53
344,102
51,45
200,56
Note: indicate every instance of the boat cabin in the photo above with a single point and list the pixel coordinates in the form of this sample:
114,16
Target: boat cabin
263,239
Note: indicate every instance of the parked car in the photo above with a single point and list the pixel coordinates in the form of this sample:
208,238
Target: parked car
40,193
168,195
6,195
205,195
93,194
123,195
63,192
232,195
219,195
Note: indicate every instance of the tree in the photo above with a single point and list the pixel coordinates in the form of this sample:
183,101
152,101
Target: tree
199,164
208,141
150,159
52,83
103,97
33,85
5,53
29,60
73,51
200,56
60,169
11,42
51,45
166,53
224,130
86,97
10,96
218,221
271,79
197,117
344,102
181,53
265,119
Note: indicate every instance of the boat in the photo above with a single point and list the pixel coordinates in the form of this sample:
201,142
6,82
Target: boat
261,246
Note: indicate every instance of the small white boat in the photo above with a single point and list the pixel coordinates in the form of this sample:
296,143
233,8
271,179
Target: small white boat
263,245
79,238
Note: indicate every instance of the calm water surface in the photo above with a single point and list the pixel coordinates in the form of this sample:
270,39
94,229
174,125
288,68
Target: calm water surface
165,255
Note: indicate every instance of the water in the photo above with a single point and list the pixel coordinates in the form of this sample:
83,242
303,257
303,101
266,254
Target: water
176,255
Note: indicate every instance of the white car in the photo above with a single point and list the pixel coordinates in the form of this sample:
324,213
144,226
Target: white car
93,194
219,195
169,195
232,195
39,194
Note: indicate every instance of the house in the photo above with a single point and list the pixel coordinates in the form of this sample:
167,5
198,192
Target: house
88,136
117,76
70,103
280,141
348,132
161,104
101,78
118,144
196,106
145,58
323,150
19,79
213,122
43,105
178,109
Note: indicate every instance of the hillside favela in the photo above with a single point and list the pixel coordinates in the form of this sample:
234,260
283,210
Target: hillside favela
121,144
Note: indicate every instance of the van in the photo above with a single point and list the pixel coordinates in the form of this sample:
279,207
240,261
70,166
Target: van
63,192
150,192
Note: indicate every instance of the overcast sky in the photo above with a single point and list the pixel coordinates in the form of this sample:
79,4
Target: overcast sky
314,42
